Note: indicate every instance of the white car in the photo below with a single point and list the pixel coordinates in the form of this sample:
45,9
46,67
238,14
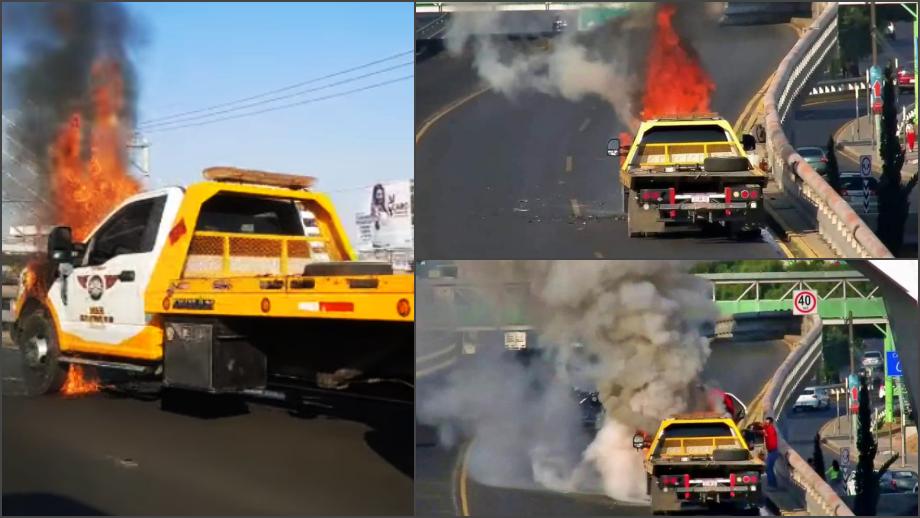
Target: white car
871,359
812,399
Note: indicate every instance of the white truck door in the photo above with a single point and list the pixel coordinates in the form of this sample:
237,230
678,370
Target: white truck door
105,291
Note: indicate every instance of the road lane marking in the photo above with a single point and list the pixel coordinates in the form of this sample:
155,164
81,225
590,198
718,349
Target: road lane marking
568,164
598,255
576,210
447,109
584,125
461,480
751,104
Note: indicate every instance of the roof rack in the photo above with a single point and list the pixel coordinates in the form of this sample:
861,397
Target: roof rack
698,415
251,176
689,116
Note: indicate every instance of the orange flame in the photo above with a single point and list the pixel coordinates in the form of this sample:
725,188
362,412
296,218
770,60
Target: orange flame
79,383
84,191
676,84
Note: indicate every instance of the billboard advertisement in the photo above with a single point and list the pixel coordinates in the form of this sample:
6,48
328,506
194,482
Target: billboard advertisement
387,225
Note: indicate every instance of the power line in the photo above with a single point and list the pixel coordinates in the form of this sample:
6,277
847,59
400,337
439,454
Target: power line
278,90
145,127
284,106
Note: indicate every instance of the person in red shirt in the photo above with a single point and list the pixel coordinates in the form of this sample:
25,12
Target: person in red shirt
911,134
729,404
770,441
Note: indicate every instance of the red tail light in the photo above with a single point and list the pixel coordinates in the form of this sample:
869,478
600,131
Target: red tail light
728,199
336,306
672,198
731,484
687,484
824,160
755,194
745,194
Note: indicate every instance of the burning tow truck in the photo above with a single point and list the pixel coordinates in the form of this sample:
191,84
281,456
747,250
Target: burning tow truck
701,460
685,171
219,287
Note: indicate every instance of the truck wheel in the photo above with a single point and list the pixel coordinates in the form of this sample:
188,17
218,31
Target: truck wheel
39,351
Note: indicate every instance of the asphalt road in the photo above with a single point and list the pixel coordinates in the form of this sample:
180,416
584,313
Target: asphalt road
443,486
118,452
529,177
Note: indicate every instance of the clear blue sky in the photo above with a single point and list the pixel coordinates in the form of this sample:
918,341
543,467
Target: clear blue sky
196,55
200,54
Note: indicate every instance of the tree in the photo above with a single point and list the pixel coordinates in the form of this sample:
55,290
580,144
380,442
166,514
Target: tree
818,457
867,478
832,172
893,197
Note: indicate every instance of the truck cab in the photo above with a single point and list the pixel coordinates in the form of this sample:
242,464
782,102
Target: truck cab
218,287
683,172
700,461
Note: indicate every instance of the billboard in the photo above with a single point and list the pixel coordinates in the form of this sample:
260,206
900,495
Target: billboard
387,225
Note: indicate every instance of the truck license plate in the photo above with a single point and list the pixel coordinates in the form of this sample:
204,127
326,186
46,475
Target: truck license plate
710,483
515,340
699,198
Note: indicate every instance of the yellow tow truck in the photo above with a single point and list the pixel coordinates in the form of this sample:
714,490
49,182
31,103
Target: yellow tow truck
683,172
701,461
223,286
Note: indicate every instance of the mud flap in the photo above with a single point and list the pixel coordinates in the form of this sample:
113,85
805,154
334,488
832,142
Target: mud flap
640,222
661,502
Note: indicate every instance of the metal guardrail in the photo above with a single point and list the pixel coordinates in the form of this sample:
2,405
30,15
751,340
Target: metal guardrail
820,498
837,222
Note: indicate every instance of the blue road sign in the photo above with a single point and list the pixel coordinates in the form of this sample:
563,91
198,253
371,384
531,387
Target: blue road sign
892,364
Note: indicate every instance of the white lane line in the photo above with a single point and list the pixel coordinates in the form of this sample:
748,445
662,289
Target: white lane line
568,164
584,125
576,210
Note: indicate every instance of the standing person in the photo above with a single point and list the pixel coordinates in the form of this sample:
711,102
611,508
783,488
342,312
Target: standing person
770,441
911,135
834,476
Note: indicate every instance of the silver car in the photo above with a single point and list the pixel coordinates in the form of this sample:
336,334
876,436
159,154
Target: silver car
816,158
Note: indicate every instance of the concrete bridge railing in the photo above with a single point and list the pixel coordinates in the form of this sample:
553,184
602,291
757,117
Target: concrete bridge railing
820,498
836,221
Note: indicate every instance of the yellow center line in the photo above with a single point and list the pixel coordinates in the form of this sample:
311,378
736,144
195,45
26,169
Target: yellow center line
464,500
751,105
447,109
568,164
576,210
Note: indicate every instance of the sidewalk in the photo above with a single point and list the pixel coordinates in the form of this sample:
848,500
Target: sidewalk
834,441
800,234
852,146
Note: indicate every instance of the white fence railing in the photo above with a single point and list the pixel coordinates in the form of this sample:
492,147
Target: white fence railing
837,222
820,498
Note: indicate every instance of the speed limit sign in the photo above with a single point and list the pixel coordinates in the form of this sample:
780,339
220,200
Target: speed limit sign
804,302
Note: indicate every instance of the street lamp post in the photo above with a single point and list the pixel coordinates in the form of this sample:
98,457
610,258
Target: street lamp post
837,392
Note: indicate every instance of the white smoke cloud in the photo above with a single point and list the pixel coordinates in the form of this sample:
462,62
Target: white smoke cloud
640,325
569,68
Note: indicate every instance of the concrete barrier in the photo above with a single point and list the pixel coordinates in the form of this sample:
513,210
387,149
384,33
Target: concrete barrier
837,222
820,498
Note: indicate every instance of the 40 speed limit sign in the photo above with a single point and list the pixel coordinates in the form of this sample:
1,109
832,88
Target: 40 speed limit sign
804,302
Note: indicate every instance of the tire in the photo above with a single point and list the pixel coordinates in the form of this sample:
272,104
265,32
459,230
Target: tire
726,164
39,351
728,454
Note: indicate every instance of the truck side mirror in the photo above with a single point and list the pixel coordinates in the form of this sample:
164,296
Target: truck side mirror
613,147
640,441
748,142
60,245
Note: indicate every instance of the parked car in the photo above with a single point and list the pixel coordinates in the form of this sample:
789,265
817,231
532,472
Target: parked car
815,156
812,398
906,78
871,359
853,189
898,481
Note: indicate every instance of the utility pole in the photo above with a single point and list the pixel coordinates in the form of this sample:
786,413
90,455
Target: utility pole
139,156
852,353
872,34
